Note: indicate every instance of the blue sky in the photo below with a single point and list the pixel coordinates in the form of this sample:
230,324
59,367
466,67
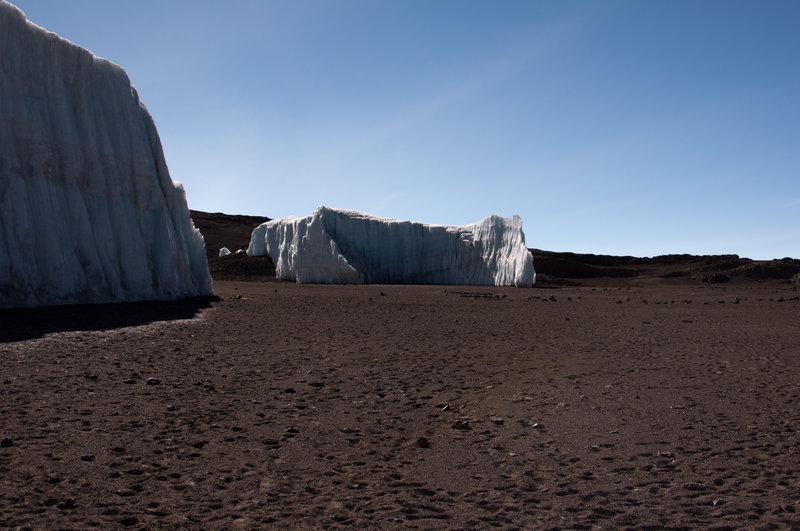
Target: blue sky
618,127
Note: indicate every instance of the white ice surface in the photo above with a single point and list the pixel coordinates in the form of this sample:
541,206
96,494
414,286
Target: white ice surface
88,211
334,246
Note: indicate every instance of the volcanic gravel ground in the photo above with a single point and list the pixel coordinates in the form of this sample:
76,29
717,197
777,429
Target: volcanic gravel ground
278,405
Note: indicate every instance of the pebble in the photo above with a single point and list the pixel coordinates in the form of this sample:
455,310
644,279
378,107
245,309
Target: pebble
461,424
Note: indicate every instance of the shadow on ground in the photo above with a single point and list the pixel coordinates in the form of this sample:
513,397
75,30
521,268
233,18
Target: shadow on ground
19,324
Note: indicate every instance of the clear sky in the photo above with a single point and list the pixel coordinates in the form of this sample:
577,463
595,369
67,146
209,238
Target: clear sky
615,127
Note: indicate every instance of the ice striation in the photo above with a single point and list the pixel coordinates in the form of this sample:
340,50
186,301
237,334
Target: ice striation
88,211
333,246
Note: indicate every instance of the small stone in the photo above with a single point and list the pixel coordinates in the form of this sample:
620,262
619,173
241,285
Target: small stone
237,297
153,381
461,424
6,443
537,426
289,390
423,442
67,504
497,420
87,458
694,486
446,407
291,430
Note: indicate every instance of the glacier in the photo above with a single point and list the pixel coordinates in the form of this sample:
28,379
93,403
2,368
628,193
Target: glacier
335,246
88,211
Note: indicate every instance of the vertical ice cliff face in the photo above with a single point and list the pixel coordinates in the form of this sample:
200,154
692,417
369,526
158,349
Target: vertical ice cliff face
345,247
88,211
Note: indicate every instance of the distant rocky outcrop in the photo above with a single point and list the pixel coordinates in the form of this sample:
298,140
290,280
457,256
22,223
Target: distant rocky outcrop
566,267
784,268
234,231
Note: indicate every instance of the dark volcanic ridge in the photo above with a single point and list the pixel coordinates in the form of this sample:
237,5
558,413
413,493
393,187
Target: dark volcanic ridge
558,267
232,231
552,268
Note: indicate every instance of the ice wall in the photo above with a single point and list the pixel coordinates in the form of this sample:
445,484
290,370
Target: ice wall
88,211
334,246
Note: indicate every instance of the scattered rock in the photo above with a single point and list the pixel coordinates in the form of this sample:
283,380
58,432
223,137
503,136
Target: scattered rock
6,443
694,486
68,504
153,381
423,442
461,424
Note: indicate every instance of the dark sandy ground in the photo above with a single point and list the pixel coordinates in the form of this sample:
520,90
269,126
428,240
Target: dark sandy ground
652,404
